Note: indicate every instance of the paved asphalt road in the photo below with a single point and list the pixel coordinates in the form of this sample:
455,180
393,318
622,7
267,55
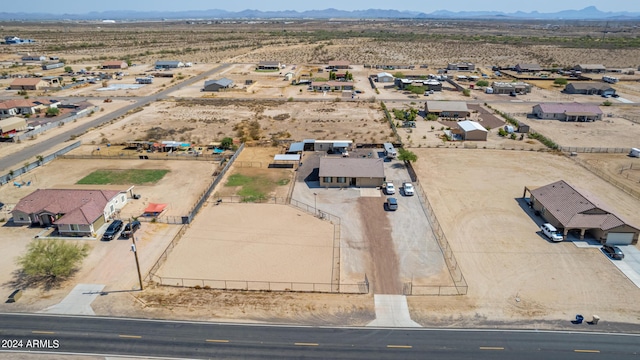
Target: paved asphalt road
198,340
43,148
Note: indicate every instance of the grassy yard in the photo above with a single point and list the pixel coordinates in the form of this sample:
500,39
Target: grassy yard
254,188
123,177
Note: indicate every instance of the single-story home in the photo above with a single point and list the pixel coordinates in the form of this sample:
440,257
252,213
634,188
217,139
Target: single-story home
589,88
17,107
568,111
216,85
73,212
567,209
10,126
385,77
331,85
471,131
434,85
117,64
34,58
508,88
269,65
527,68
447,109
51,66
28,84
169,64
462,66
345,172
339,64
590,68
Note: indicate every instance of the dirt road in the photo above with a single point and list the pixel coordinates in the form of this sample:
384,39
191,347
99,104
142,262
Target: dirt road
383,267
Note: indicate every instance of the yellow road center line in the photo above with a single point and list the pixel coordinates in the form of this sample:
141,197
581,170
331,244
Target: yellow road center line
587,351
43,332
130,336
491,348
399,346
217,341
305,344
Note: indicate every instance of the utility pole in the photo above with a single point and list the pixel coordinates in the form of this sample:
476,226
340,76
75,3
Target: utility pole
135,254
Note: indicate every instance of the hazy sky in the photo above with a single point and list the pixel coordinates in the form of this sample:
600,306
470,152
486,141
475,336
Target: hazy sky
427,6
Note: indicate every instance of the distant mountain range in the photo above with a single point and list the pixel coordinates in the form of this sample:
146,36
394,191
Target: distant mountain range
588,13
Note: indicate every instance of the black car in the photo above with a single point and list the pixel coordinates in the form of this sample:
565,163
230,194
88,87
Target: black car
130,229
613,252
112,230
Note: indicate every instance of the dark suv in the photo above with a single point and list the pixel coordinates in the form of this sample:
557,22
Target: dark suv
613,252
130,228
112,230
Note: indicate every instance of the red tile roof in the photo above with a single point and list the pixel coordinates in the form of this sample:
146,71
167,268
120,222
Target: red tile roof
19,103
82,207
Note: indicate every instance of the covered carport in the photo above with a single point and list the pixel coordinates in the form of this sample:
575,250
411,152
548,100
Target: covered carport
286,161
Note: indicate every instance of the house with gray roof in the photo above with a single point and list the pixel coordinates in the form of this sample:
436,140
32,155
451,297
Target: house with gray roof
527,68
589,88
590,68
73,212
346,172
217,85
447,109
568,111
269,65
169,64
567,209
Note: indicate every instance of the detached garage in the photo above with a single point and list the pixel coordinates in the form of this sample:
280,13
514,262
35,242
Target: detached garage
471,130
565,208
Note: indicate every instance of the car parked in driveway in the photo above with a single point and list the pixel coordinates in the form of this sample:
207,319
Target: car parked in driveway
551,232
613,252
130,229
389,189
113,230
408,189
391,204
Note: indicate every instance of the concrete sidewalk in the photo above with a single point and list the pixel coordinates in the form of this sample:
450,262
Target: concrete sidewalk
392,311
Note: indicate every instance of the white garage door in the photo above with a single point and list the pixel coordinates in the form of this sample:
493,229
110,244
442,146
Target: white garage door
619,238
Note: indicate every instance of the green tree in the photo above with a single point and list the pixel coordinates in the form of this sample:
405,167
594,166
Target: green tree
68,69
53,111
51,261
406,155
226,143
482,83
560,81
348,76
398,75
332,75
466,92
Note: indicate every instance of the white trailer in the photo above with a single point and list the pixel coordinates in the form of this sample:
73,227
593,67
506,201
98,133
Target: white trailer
635,152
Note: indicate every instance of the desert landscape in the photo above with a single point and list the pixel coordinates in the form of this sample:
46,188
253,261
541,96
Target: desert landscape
268,243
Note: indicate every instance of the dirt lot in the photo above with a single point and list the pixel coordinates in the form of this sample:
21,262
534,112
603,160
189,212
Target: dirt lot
513,273
64,173
610,132
619,166
204,122
254,242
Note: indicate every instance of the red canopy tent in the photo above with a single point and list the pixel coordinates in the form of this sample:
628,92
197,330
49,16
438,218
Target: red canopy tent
154,209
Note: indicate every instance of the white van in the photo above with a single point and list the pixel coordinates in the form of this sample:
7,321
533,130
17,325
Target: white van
551,232
390,151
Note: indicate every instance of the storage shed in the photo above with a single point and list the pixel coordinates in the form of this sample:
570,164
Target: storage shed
472,131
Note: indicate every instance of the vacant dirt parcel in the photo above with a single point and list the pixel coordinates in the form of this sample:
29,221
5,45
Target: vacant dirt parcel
513,273
268,245
203,121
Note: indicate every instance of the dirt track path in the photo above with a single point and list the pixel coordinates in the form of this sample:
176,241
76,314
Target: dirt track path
383,268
